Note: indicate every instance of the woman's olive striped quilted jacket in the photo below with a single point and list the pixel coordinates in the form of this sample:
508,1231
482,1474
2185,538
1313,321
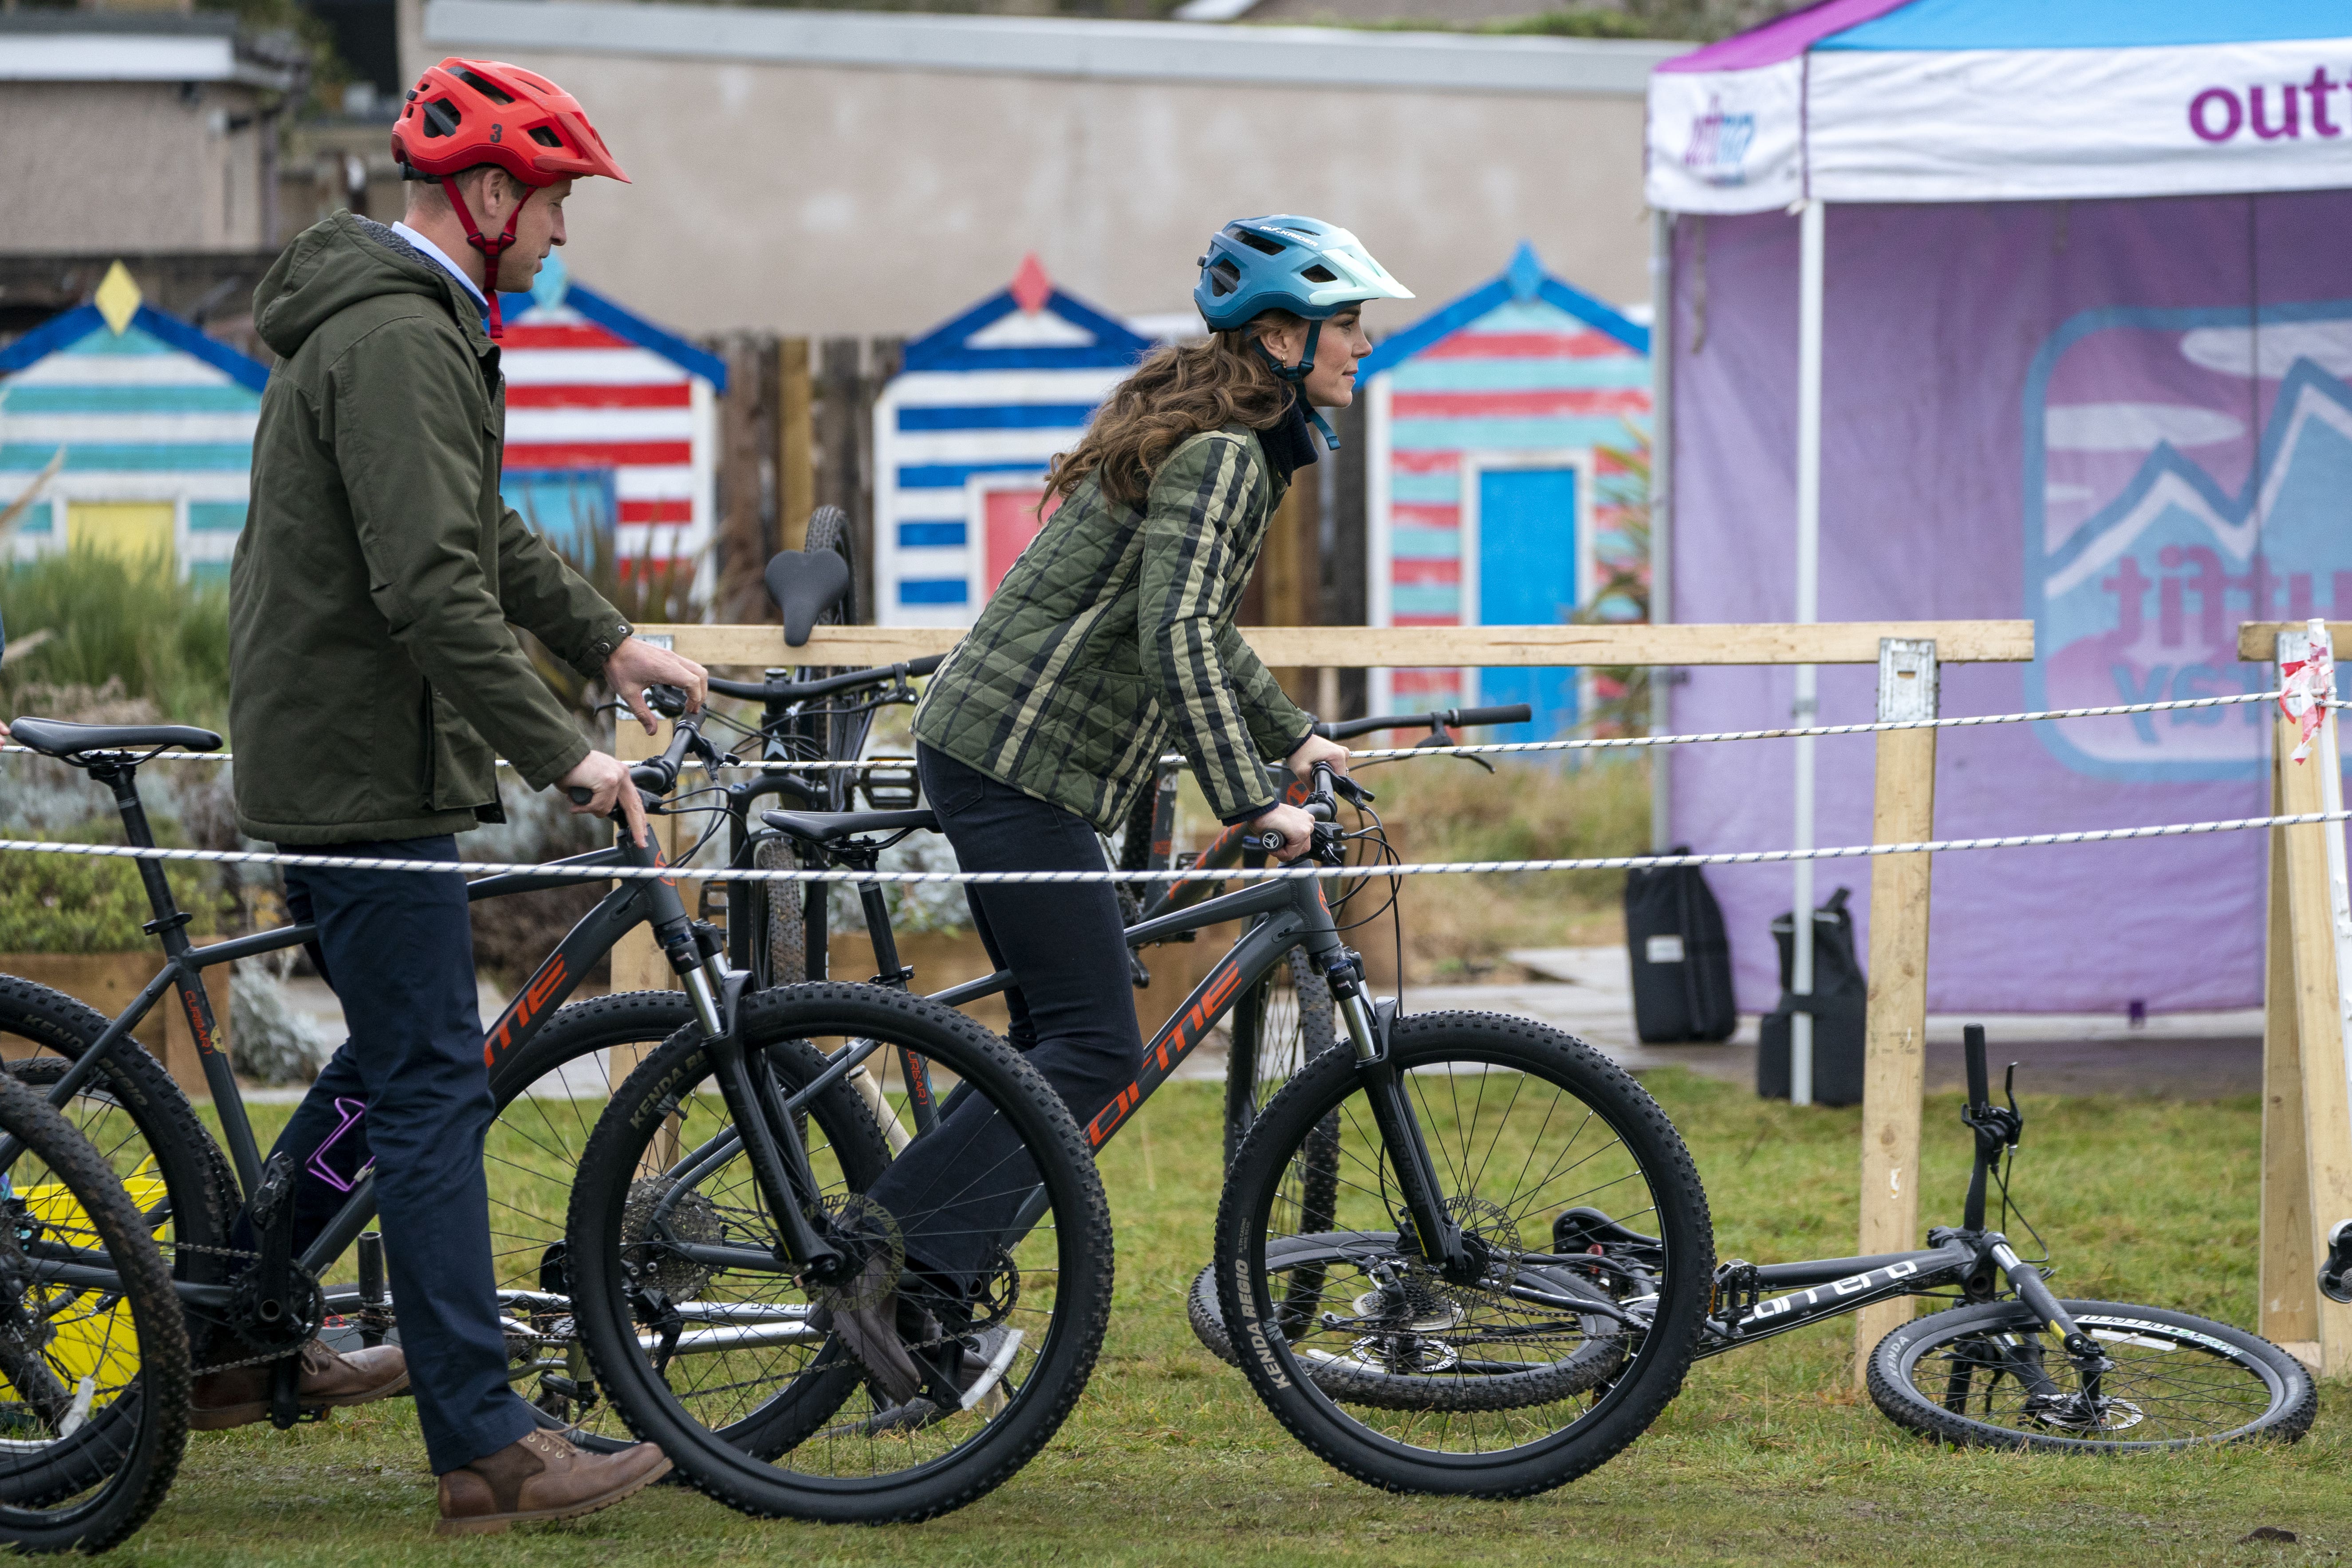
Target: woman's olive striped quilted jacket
1114,634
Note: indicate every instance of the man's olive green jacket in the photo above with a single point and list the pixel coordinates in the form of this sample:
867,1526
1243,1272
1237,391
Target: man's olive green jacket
1114,633
373,678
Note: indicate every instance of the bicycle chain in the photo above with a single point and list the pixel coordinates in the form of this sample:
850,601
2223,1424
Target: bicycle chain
265,1359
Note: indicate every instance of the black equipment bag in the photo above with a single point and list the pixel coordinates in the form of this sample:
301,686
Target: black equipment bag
1682,959
1840,1007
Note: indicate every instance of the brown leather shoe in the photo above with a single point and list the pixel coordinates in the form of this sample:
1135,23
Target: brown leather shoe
542,1476
240,1396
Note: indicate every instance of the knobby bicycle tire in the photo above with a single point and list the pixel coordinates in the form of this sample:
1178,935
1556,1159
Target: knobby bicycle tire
743,1463
137,1118
2178,1381
1465,1442
105,1474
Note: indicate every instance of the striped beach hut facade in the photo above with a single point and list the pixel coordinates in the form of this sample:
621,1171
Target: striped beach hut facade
134,430
612,427
1492,491
963,435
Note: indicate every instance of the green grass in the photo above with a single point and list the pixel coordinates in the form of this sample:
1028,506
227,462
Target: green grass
1767,1456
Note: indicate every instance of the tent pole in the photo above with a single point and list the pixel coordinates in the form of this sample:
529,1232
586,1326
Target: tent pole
1661,426
1809,571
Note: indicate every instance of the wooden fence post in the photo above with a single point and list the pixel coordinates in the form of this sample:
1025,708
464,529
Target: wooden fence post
795,444
2306,1107
1895,1034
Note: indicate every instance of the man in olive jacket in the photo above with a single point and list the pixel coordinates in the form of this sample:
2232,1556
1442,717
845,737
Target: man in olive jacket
374,681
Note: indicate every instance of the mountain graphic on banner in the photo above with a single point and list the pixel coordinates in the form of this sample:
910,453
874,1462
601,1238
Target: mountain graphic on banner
2142,605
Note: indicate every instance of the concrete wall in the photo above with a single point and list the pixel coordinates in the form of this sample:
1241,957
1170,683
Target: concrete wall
811,196
133,166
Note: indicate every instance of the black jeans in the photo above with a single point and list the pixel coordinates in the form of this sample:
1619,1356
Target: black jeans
409,1091
1072,1010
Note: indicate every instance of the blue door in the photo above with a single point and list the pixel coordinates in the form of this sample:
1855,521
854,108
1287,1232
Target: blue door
1527,577
572,508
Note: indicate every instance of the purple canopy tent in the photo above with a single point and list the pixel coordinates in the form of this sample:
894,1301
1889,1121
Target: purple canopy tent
1989,309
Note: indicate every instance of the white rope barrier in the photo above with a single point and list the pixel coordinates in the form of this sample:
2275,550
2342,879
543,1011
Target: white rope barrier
1466,867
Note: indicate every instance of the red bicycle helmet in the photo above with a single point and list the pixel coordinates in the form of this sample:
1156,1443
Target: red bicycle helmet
463,113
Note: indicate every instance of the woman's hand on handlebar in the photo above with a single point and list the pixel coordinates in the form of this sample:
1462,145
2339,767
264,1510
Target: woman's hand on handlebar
605,781
637,664
1315,748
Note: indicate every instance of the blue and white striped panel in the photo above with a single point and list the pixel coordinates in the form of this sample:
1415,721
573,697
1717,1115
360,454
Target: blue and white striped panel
948,427
125,404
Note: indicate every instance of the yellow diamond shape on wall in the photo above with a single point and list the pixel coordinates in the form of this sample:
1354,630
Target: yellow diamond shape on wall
118,298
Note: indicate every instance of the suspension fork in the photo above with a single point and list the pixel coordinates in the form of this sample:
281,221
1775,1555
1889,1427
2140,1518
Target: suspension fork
780,1164
2091,1362
1435,1230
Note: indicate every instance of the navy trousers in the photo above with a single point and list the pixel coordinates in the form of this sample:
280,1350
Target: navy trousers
409,1090
957,1189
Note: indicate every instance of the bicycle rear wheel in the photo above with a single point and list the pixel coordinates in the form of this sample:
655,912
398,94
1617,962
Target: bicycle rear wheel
1525,1375
1990,1375
96,1371
711,1349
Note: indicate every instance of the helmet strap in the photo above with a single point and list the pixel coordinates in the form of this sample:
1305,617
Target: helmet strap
1296,375
492,250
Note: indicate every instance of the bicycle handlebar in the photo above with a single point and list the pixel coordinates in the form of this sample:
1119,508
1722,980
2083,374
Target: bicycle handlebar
1444,718
657,774
802,690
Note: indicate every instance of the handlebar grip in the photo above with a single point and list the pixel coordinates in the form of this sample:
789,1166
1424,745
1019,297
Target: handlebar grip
925,665
1979,1082
1264,843
581,795
1509,713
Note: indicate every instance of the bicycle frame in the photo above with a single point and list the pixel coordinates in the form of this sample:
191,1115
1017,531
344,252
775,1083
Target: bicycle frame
631,902
1967,1256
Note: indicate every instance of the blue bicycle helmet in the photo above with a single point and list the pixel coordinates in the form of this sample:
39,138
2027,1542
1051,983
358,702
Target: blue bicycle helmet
1311,269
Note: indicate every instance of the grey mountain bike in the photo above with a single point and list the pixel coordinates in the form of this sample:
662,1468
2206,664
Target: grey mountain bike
1464,1137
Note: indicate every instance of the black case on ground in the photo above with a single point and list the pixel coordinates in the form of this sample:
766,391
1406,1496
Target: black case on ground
1682,958
1840,995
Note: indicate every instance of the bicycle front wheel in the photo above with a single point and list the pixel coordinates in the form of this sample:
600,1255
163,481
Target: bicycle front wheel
1512,1379
998,1259
93,1346
1991,1374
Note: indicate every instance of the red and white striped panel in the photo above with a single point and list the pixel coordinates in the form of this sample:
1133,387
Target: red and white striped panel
579,396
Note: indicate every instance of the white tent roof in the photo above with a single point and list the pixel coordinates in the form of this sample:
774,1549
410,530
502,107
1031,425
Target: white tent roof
1954,101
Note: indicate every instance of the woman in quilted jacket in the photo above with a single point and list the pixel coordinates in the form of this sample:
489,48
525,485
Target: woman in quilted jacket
1111,639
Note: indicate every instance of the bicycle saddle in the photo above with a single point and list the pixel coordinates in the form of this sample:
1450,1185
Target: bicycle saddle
55,737
825,827
805,583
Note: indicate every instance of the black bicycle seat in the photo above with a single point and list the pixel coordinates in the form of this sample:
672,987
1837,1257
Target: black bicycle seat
55,737
825,827
805,583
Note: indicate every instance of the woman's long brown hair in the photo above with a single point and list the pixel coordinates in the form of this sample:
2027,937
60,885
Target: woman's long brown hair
1176,393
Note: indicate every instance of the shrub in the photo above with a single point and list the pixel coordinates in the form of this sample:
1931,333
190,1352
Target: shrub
108,619
74,904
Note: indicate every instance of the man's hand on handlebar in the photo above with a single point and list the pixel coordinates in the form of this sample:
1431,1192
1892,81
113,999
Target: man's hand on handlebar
637,664
1313,750
1297,830
606,780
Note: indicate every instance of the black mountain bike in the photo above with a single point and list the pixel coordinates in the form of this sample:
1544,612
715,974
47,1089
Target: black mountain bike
2011,1364
1464,1136
550,1073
